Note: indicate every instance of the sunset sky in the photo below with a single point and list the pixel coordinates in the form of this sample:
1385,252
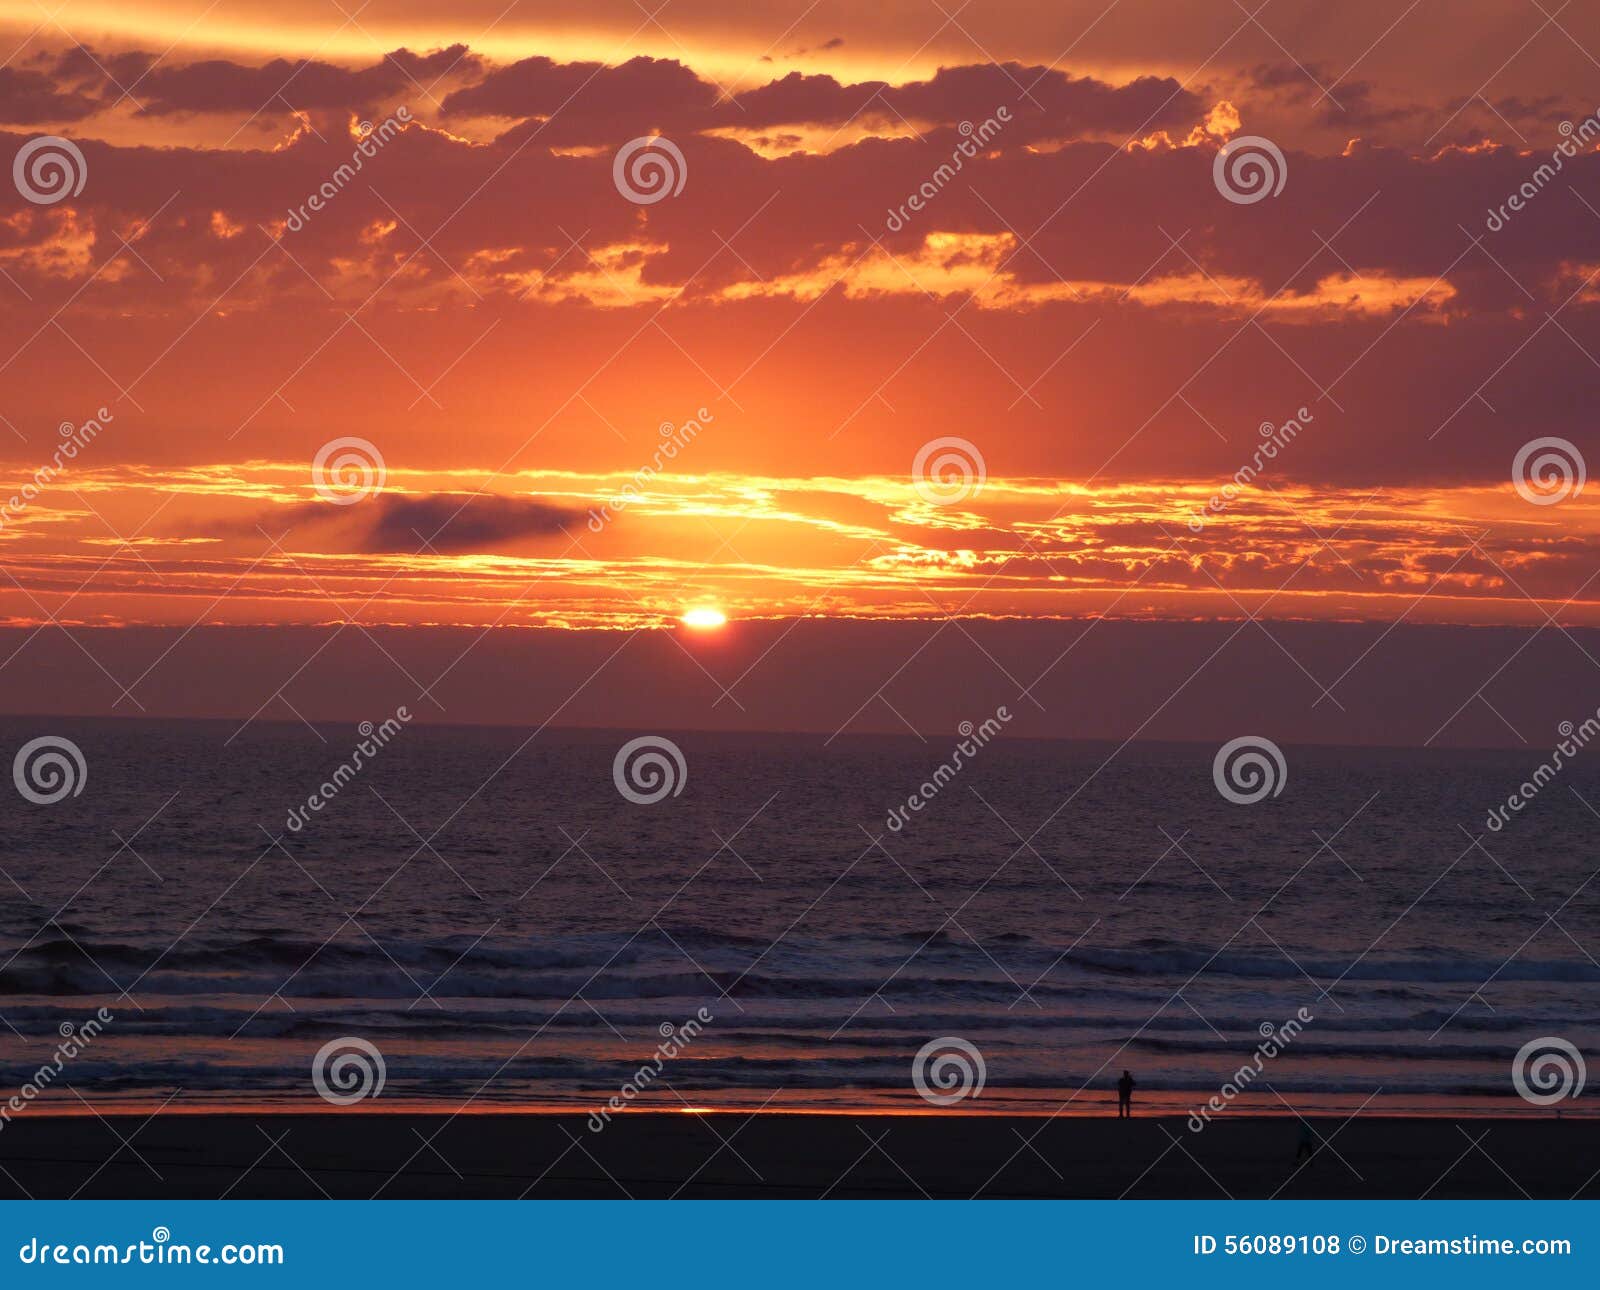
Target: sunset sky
1078,312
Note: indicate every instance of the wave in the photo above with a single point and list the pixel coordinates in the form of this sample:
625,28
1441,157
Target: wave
530,1079
1181,961
839,964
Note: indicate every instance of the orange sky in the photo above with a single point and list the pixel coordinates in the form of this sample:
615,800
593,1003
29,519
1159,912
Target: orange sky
408,229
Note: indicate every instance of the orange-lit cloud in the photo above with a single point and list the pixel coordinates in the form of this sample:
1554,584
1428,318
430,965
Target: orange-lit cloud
571,549
269,255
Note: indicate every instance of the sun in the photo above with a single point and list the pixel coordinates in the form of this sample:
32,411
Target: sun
704,618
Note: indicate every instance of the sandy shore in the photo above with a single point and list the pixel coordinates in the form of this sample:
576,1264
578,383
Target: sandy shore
359,1155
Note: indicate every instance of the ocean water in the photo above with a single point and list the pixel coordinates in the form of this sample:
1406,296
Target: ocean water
506,930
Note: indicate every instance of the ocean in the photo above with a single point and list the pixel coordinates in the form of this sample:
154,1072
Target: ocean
498,927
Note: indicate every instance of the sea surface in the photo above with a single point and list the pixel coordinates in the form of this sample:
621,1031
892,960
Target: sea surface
505,930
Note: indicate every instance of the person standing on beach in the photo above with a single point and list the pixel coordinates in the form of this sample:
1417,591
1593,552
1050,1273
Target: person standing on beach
1125,1097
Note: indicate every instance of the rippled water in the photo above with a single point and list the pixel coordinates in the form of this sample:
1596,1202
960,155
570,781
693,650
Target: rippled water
507,930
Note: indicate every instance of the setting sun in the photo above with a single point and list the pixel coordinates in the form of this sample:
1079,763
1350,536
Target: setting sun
704,618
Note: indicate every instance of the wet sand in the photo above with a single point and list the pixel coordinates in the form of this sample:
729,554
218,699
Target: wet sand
361,1155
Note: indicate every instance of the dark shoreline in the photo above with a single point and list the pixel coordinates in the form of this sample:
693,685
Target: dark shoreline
660,1155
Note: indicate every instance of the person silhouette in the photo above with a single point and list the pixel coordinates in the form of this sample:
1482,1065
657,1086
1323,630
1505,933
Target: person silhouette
1125,1097
1307,1146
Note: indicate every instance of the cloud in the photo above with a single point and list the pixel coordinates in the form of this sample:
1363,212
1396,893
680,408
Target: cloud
569,103
591,102
1339,103
1089,311
220,85
494,214
86,80
437,523
29,98
834,42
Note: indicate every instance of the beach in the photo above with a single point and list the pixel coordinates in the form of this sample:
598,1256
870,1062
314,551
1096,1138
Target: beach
329,1017
654,1155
